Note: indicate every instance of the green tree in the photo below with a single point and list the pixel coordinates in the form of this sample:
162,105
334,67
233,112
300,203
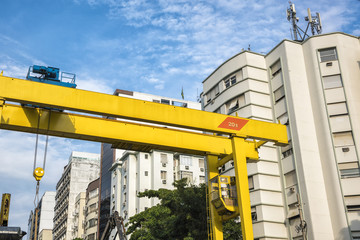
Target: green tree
232,230
181,215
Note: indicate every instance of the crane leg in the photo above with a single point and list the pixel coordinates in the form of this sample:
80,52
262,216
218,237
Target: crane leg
216,223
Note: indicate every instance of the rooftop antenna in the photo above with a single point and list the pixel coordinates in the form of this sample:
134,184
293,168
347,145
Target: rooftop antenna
314,22
291,17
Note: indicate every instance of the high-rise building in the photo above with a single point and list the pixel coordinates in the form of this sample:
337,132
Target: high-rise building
91,210
78,230
310,187
141,163
40,226
78,173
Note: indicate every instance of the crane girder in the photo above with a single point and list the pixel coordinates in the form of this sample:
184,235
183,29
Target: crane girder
47,95
119,133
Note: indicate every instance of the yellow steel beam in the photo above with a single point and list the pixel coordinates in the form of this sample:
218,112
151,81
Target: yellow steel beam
216,221
42,94
123,134
242,150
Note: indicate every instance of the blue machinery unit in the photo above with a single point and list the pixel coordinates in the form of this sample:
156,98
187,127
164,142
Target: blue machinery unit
51,75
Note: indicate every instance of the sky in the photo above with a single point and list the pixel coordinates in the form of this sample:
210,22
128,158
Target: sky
157,47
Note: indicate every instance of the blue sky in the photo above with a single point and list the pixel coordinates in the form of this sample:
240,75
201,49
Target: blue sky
156,47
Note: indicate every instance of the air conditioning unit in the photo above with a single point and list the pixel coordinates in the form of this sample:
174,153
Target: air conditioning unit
164,181
202,169
187,167
164,164
292,189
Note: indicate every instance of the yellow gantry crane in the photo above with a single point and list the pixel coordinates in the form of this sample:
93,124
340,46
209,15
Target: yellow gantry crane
240,138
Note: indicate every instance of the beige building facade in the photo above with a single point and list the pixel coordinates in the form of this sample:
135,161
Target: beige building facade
91,210
78,173
311,187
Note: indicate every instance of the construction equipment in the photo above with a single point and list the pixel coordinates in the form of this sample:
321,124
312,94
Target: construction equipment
5,208
114,221
224,196
51,75
8,233
239,141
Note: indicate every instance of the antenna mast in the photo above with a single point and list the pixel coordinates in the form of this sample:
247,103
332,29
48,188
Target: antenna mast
291,16
313,21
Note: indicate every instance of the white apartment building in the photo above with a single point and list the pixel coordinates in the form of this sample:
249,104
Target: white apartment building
133,171
313,88
78,173
44,223
137,172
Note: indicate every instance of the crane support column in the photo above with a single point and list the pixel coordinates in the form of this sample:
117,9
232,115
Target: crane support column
2,102
216,221
243,150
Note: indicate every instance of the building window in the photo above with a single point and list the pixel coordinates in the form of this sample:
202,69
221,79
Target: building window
201,163
165,101
188,176
328,54
92,222
227,83
290,179
287,151
279,93
179,104
275,68
337,109
235,103
230,81
164,158
343,139
332,81
146,173
93,193
202,179
251,183
253,214
92,207
163,175
349,170
146,156
185,160
91,236
212,93
156,101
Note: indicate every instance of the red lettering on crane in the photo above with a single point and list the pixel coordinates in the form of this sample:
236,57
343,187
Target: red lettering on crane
233,123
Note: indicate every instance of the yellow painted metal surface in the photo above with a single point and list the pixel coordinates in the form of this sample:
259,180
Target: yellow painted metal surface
242,186
5,209
89,128
216,220
38,173
24,91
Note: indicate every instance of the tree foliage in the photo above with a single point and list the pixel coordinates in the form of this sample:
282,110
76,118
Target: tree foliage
232,230
180,215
